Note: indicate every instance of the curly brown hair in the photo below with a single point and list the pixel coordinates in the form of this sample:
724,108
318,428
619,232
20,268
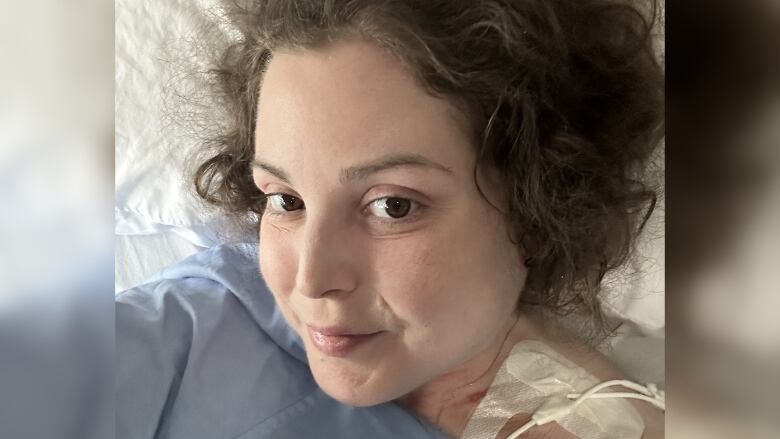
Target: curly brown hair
565,98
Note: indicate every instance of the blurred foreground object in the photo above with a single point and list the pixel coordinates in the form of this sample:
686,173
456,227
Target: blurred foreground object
723,192
56,300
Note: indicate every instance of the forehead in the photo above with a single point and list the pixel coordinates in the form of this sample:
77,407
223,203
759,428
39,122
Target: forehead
348,101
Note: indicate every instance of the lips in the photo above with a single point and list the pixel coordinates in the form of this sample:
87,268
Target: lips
338,341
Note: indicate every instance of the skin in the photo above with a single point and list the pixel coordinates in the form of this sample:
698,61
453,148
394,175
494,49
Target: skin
441,283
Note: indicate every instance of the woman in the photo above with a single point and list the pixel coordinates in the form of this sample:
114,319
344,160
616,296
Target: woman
437,182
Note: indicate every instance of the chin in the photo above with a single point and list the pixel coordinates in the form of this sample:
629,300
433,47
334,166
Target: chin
359,400
353,395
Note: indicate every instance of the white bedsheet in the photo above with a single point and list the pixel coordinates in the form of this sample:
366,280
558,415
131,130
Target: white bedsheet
139,256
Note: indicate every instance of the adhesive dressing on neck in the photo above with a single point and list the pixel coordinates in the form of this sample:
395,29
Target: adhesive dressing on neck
532,374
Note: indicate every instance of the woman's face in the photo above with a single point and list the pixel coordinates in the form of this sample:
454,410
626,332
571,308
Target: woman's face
374,224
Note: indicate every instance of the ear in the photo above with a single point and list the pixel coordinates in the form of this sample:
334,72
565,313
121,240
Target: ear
490,183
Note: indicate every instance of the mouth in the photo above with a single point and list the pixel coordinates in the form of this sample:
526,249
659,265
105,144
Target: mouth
336,342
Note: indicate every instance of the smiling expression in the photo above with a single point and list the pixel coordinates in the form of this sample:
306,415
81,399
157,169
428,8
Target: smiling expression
374,223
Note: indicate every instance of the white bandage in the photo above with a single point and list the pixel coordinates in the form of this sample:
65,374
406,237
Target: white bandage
535,376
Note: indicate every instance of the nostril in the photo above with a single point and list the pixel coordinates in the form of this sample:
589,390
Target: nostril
325,265
326,280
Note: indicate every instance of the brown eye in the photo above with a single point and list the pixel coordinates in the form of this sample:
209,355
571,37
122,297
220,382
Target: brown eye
391,207
291,203
397,207
284,202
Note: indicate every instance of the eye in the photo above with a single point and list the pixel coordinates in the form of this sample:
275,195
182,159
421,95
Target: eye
391,207
284,202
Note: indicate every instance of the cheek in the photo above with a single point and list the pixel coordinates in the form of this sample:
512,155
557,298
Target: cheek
409,278
277,262
447,281
428,283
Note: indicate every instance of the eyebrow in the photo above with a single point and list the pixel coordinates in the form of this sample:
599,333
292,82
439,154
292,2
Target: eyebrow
364,170
273,170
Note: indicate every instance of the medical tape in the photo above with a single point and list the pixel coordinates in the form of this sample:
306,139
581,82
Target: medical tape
533,374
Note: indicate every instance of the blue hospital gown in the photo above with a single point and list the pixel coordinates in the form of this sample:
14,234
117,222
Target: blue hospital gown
202,352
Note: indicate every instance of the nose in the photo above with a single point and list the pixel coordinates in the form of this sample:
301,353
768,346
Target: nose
326,259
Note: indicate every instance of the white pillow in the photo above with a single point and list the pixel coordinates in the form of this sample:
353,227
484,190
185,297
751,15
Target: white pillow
153,189
140,256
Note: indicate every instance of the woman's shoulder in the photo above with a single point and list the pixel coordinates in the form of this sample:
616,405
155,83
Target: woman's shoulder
594,366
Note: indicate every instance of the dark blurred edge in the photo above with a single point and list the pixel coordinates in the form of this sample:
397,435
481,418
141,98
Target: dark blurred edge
723,77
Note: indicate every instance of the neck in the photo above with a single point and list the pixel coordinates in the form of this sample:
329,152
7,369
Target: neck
449,400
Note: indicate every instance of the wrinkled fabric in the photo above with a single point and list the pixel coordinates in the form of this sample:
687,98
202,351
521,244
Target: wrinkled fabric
203,352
